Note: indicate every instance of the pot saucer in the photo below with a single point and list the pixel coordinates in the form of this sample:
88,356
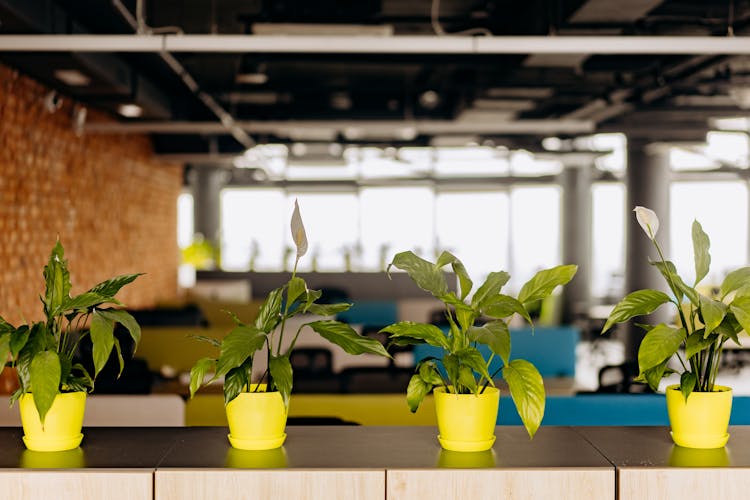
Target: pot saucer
256,444
466,445
45,443
702,442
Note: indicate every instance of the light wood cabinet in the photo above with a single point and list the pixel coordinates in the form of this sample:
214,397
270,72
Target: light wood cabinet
77,485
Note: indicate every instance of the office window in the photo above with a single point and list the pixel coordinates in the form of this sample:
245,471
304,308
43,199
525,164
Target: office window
722,209
253,226
607,239
534,230
185,220
395,219
474,227
331,222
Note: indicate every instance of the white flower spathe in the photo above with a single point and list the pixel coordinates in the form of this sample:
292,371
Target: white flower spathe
298,232
648,220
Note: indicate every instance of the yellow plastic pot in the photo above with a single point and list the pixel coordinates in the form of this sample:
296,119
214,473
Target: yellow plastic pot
257,420
702,422
466,422
62,424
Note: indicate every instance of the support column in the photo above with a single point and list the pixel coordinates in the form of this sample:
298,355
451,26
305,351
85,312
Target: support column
207,183
576,234
647,185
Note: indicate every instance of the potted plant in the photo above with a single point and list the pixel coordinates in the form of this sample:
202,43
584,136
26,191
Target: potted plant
53,385
257,411
698,408
466,398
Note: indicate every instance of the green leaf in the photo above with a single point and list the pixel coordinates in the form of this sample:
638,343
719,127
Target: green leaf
209,340
84,301
458,268
125,319
310,298
740,307
729,328
328,309
269,314
494,335
426,275
240,344
234,383
345,337
57,281
702,258
472,358
466,379
687,384
735,280
82,382
659,345
102,339
18,339
427,333
416,392
696,343
121,361
110,287
465,317
451,364
428,371
544,282
491,286
45,381
502,306
66,365
638,303
713,313
527,390
295,288
653,376
4,349
678,287
281,373
198,373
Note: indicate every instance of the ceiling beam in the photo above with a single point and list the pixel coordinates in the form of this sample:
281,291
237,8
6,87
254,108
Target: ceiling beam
688,45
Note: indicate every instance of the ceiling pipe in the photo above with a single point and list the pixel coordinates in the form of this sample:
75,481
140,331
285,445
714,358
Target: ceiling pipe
173,43
227,121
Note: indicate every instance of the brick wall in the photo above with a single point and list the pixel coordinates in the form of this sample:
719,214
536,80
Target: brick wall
112,205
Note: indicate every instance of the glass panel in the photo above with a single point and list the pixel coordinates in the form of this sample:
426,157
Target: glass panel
185,220
253,227
607,240
721,208
395,219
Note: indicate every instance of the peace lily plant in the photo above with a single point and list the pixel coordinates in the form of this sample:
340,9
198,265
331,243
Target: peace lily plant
704,323
44,352
466,371
266,333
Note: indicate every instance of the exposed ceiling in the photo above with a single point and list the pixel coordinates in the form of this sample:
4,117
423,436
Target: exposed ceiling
238,99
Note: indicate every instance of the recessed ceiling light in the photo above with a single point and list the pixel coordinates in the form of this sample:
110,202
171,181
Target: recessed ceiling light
72,77
130,110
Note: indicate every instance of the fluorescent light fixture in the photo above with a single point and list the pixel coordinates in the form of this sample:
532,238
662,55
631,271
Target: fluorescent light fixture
72,77
299,29
251,78
130,110
731,123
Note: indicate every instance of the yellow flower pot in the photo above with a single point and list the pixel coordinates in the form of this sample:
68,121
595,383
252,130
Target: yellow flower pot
257,420
466,422
702,422
62,424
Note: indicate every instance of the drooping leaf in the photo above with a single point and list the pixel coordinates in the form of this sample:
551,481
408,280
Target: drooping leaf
295,289
237,346
310,297
102,339
713,313
425,274
735,280
328,309
281,373
269,314
198,373
491,287
45,381
638,303
729,328
18,339
416,392
428,371
502,306
430,334
702,258
458,268
80,380
653,375
472,358
494,335
110,287
84,301
740,307
545,281
234,382
125,319
527,390
347,338
687,384
466,380
696,343
658,345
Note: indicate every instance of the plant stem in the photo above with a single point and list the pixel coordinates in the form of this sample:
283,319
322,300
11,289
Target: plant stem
296,336
286,310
